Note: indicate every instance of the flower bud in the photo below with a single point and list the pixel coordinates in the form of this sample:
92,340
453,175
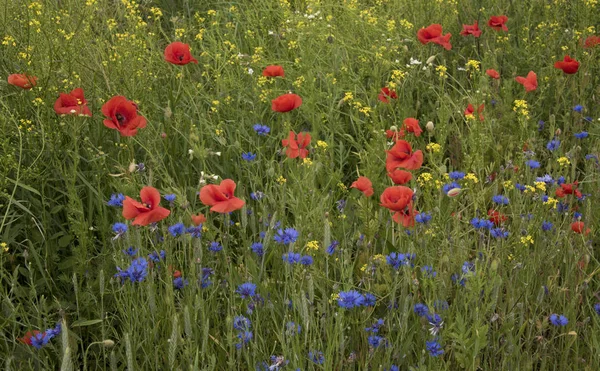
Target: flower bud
429,126
108,343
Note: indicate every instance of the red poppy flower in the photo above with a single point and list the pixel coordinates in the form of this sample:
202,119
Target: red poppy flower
273,71
471,29
579,227
394,134
179,53
398,199
385,94
401,155
122,115
568,189
400,176
498,22
496,217
364,185
470,111
493,73
145,212
433,34
26,339
221,197
591,41
177,273
23,81
198,219
412,126
530,82
296,148
567,65
73,103
286,102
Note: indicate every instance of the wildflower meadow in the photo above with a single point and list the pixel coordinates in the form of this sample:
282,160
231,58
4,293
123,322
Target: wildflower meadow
299,185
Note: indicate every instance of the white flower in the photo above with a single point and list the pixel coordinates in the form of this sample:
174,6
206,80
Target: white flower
414,61
250,71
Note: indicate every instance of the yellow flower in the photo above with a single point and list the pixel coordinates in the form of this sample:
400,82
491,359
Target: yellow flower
348,96
433,147
529,189
441,70
472,177
541,186
322,145
563,161
508,185
342,186
4,246
471,63
307,161
281,180
363,268
527,240
551,201
424,178
312,245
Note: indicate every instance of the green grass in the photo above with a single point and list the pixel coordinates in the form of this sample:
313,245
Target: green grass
59,257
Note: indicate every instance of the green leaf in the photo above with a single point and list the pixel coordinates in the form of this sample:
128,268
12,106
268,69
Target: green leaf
88,322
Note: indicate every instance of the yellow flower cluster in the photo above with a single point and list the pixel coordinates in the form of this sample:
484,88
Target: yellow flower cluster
322,145
563,161
433,147
472,177
424,178
312,245
281,180
473,64
527,240
441,70
520,106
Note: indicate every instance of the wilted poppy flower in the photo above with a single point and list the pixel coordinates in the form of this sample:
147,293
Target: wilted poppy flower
433,34
364,185
198,219
23,81
471,29
398,199
221,197
492,73
567,65
122,115
470,111
273,71
385,94
530,82
400,176
591,41
145,212
73,103
179,53
496,217
412,126
296,148
579,227
26,339
498,22
401,155
286,102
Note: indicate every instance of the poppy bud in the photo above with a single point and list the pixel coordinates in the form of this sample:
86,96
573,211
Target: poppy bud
108,343
454,192
429,126
430,59
168,113
558,131
393,128
163,135
132,166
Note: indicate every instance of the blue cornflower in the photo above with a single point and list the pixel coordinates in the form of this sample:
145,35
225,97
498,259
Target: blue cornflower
340,204
291,257
316,356
423,218
262,234
532,164
558,320
370,300
136,272
215,246
392,368
291,329
257,196
39,340
376,341
170,197
374,328
447,187
396,260
116,200
577,215
306,260
582,135
588,118
119,229
244,337
261,129
561,180
436,323
434,348
456,175
500,200
130,251
546,226
257,248
482,223
248,156
287,236
205,280
428,271
55,331
553,145
546,179
562,207
350,299
541,125
578,108
241,323
331,247
520,187
177,229
246,290
597,308
195,231
179,283
468,268
421,309
157,257
441,305
498,233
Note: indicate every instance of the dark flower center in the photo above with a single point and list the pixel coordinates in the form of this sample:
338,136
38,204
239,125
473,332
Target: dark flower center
120,118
